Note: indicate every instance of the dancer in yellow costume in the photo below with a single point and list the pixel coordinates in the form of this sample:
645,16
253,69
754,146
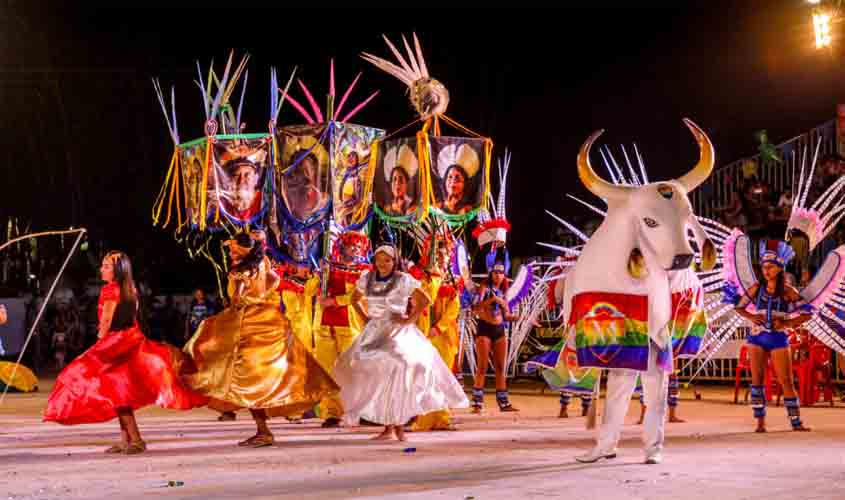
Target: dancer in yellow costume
336,324
247,356
298,289
299,286
440,321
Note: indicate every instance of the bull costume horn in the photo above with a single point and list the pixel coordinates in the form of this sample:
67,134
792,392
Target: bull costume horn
707,159
609,191
591,180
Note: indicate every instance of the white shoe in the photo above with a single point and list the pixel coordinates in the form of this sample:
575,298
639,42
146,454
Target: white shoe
654,458
595,455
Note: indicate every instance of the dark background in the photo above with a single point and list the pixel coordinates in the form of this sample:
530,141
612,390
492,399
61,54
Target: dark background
84,142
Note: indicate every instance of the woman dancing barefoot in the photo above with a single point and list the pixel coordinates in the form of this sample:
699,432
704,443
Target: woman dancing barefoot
392,373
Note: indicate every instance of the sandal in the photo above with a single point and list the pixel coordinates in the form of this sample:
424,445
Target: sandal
258,441
135,448
118,448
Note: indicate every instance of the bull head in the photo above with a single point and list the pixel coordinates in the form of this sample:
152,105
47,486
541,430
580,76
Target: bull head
659,213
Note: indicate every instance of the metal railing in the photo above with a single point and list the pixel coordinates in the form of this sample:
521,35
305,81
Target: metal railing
716,192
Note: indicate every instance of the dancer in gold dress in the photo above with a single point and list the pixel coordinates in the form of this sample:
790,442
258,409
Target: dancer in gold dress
248,356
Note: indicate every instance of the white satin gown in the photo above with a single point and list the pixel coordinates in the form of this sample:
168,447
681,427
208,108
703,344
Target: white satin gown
392,373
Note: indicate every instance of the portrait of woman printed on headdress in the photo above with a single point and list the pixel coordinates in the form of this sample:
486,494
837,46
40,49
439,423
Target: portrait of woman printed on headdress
400,175
457,167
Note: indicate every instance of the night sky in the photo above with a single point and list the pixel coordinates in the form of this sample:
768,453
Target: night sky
84,142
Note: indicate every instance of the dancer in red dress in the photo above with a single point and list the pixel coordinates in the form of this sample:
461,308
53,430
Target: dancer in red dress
123,371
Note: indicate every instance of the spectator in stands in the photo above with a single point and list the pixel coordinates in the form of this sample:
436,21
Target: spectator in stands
832,167
784,204
828,169
758,208
735,214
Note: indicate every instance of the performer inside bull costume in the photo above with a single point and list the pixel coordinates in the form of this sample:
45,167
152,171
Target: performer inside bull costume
620,305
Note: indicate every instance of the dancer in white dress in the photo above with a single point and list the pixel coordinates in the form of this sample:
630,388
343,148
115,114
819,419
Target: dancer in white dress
392,373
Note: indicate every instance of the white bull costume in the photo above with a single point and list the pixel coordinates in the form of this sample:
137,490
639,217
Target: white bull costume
618,296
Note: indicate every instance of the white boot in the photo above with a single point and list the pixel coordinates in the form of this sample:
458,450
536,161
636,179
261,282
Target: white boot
654,458
595,455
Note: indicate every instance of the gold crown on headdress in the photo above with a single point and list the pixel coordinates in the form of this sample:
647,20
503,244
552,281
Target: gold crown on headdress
400,156
462,155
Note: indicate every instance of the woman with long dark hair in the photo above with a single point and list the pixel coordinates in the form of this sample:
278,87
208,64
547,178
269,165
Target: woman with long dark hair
248,356
492,311
777,307
455,187
123,371
400,202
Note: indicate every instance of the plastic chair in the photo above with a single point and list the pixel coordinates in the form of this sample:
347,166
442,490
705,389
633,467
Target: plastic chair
743,363
815,373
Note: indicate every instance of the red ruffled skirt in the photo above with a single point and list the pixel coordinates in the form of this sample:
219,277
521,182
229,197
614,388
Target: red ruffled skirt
122,370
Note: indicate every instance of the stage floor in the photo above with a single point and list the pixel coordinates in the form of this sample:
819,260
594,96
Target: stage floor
715,456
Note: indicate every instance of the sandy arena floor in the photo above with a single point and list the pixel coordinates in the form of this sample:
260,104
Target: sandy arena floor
714,456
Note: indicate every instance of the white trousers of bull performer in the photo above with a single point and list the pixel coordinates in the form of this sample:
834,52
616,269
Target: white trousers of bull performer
620,388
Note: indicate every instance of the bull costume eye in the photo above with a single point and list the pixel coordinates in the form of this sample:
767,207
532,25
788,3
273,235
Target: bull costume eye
665,191
650,222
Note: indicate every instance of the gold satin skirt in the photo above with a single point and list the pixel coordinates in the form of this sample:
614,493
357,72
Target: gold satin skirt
249,357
